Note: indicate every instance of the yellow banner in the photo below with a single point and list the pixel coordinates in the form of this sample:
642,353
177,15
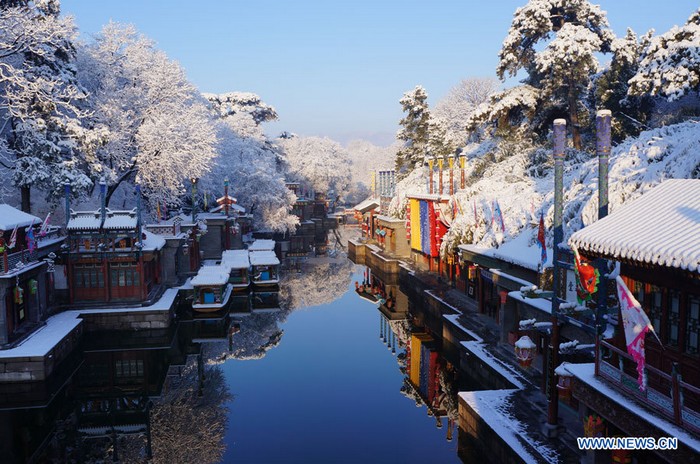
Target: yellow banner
415,224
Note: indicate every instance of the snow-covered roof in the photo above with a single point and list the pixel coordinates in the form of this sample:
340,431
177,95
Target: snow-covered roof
235,259
120,220
367,205
226,197
12,217
92,220
84,220
232,208
211,275
661,227
262,245
428,196
263,258
152,241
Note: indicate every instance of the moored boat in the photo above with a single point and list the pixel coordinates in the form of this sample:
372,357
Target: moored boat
265,268
239,264
212,289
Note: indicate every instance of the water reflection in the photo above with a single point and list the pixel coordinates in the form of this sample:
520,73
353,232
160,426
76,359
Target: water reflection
429,379
330,392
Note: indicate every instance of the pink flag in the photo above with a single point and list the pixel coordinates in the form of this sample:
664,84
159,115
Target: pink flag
636,325
45,226
13,239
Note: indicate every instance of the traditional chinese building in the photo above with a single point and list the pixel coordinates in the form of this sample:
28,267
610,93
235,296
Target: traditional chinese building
656,240
110,258
26,272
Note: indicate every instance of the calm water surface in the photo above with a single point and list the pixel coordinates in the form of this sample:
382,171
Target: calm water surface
329,392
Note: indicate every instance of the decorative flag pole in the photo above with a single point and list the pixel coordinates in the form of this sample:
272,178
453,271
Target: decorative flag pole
559,141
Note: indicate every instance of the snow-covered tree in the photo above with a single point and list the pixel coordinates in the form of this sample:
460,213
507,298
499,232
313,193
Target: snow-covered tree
413,131
439,144
556,43
460,102
156,128
242,103
40,102
670,65
251,166
611,87
319,162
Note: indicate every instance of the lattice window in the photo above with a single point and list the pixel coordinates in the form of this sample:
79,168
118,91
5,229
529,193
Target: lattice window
692,329
674,318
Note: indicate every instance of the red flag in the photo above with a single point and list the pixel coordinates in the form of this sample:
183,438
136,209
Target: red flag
541,242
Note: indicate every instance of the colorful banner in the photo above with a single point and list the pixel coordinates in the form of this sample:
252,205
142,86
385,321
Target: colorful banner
636,325
424,228
415,225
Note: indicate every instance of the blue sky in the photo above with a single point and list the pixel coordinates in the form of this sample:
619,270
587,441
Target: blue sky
337,68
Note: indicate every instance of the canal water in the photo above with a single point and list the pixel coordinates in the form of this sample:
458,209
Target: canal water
331,391
310,372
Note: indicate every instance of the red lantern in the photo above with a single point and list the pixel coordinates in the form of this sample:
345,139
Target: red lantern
564,383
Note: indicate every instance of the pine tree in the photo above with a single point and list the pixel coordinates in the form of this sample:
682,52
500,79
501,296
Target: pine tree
574,32
413,132
670,65
611,88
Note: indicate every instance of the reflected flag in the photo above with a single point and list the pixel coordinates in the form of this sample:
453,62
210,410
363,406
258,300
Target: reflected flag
636,325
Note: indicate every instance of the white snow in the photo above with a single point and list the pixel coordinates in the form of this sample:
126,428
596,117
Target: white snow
211,276
662,227
541,304
492,406
263,258
57,327
12,217
235,259
454,319
262,245
152,241
479,350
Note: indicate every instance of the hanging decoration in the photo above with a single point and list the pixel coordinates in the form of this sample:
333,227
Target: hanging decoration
587,278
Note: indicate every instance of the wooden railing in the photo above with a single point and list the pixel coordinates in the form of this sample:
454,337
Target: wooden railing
24,256
666,393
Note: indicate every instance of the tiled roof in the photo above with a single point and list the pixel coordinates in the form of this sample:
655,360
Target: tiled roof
662,227
12,217
263,258
262,245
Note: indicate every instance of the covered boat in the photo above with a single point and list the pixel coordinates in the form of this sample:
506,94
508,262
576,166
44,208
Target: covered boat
265,268
239,264
212,289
